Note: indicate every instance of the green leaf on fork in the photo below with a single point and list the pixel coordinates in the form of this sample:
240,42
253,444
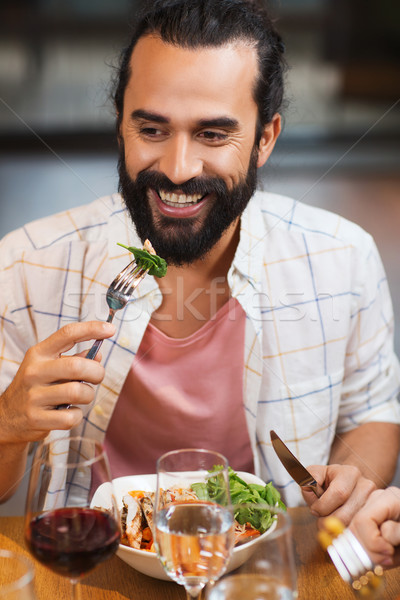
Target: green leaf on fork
156,265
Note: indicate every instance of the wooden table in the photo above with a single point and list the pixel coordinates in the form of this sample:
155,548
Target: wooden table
115,580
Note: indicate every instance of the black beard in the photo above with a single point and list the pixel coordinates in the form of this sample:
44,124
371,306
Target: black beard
183,241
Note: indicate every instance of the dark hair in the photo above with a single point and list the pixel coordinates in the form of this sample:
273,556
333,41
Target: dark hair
212,23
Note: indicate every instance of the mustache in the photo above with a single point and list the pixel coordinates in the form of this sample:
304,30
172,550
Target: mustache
200,185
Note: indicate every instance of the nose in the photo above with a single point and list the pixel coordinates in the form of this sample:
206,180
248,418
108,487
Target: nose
179,161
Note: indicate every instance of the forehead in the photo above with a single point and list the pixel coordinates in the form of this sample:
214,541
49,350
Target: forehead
168,78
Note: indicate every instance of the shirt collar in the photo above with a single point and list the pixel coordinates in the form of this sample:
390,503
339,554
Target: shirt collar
248,259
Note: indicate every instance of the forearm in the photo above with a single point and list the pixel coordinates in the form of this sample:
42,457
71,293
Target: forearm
13,462
372,447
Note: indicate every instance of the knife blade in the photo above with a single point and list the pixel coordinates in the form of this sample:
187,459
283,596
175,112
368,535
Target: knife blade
294,467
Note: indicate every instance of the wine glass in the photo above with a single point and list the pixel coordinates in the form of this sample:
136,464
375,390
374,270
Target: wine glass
193,517
16,577
65,529
268,571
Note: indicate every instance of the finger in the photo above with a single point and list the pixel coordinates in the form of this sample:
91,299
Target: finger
355,501
71,392
340,493
368,533
48,420
390,531
65,338
70,368
383,558
309,497
334,497
370,523
38,422
76,368
389,509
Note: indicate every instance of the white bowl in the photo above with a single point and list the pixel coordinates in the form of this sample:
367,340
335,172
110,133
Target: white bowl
148,562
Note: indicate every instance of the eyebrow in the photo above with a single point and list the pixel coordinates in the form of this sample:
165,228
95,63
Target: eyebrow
223,122
146,115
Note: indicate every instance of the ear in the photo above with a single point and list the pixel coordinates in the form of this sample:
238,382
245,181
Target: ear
268,139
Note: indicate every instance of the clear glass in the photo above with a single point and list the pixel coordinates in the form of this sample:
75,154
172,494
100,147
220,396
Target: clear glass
16,577
267,569
193,532
65,528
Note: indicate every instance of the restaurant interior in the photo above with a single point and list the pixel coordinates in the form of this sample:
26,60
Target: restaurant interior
339,149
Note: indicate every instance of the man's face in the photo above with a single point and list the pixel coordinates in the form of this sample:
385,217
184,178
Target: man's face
187,157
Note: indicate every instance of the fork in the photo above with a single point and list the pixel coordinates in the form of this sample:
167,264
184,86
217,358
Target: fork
118,295
354,565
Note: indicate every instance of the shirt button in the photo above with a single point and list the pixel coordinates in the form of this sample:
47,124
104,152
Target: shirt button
98,410
124,342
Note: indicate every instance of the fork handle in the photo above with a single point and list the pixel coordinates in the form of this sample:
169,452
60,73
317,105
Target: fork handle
94,349
91,355
97,344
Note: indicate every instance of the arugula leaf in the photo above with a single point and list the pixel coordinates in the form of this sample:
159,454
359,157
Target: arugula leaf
242,493
157,266
200,489
213,490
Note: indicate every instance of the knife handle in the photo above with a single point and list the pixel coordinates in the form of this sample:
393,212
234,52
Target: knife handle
314,487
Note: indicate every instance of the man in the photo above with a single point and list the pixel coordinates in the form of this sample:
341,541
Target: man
272,314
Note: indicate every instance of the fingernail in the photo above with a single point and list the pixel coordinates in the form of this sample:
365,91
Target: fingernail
314,513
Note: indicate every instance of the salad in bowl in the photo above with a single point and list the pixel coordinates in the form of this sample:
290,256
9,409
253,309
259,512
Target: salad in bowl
135,498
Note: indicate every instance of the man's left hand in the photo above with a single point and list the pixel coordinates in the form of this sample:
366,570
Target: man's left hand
346,491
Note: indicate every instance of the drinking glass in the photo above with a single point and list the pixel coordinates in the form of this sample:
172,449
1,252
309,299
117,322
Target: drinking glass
16,577
193,517
268,569
64,530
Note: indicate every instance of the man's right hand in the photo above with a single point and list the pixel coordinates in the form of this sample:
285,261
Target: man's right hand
46,379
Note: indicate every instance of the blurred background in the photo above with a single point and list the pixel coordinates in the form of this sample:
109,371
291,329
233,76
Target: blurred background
340,148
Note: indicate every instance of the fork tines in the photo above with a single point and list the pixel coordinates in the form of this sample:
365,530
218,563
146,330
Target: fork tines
128,276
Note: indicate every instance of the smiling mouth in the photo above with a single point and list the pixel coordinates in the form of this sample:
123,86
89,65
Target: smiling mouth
179,200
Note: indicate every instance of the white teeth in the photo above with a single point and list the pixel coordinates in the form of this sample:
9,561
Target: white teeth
179,199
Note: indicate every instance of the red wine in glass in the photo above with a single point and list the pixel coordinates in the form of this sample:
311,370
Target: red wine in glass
72,541
71,515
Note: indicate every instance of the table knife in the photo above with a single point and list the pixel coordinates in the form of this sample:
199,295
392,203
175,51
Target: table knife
294,467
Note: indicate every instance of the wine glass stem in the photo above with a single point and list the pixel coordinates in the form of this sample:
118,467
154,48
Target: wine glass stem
75,590
197,596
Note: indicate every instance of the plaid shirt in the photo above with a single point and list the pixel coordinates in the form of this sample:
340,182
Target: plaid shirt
318,356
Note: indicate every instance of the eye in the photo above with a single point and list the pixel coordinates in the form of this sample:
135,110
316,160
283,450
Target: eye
151,132
213,136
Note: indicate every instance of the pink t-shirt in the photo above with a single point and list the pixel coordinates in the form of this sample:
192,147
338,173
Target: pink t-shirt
183,393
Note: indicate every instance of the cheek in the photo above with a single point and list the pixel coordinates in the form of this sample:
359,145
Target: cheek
231,165
138,157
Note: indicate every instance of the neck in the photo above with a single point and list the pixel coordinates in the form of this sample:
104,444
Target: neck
192,294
